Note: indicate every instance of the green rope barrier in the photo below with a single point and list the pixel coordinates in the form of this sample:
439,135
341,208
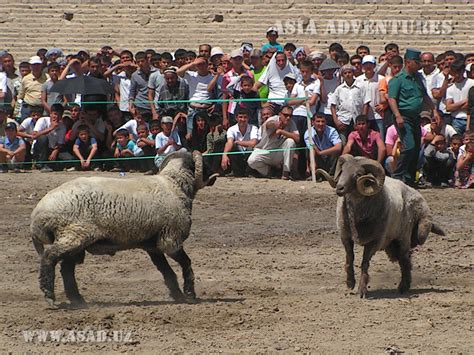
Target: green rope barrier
261,151
265,99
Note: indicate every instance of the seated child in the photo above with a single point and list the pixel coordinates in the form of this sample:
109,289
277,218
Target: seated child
167,141
464,175
146,148
85,147
12,149
215,140
439,162
124,148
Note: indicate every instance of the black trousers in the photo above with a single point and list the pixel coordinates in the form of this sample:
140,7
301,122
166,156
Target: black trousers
42,152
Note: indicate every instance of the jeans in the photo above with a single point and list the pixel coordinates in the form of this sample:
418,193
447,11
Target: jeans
459,125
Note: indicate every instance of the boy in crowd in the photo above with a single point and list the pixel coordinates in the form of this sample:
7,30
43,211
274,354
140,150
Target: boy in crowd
327,144
395,65
146,144
350,99
364,141
49,133
124,148
198,82
439,162
246,92
328,84
456,96
12,149
371,80
464,176
272,36
241,137
85,147
132,125
49,97
216,140
167,141
27,128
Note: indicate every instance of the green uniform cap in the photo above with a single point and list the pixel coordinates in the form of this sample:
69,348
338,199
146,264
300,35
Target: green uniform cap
413,54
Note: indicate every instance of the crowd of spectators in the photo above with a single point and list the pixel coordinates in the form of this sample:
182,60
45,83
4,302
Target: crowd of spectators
246,109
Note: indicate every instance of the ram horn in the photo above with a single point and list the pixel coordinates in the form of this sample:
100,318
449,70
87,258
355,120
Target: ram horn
198,171
328,177
371,183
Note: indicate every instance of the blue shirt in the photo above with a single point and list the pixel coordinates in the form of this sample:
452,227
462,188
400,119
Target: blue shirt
277,45
130,146
11,145
329,139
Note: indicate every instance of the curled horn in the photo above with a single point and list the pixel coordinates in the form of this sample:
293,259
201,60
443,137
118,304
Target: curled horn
333,180
197,157
328,177
371,183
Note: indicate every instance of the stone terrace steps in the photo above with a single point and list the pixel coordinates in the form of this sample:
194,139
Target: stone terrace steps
168,24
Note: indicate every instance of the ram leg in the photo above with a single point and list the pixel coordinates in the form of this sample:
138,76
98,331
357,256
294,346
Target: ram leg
369,251
68,266
188,275
66,244
159,259
349,266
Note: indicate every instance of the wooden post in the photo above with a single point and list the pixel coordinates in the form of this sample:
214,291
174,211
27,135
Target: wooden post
312,162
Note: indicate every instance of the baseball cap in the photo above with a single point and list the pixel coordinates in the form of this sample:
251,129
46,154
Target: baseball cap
368,59
272,29
166,119
469,67
216,51
236,53
425,114
67,113
35,60
11,125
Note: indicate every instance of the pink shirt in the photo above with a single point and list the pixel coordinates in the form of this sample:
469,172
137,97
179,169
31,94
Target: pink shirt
391,136
367,147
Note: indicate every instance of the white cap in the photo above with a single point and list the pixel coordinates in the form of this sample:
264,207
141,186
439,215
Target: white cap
469,67
216,51
368,59
35,60
166,119
236,53
272,29
290,75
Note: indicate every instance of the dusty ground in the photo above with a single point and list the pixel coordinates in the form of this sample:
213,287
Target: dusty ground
269,275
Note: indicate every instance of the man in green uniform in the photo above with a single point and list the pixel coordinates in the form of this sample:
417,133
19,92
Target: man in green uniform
407,97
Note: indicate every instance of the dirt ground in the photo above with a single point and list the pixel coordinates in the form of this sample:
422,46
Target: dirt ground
269,277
